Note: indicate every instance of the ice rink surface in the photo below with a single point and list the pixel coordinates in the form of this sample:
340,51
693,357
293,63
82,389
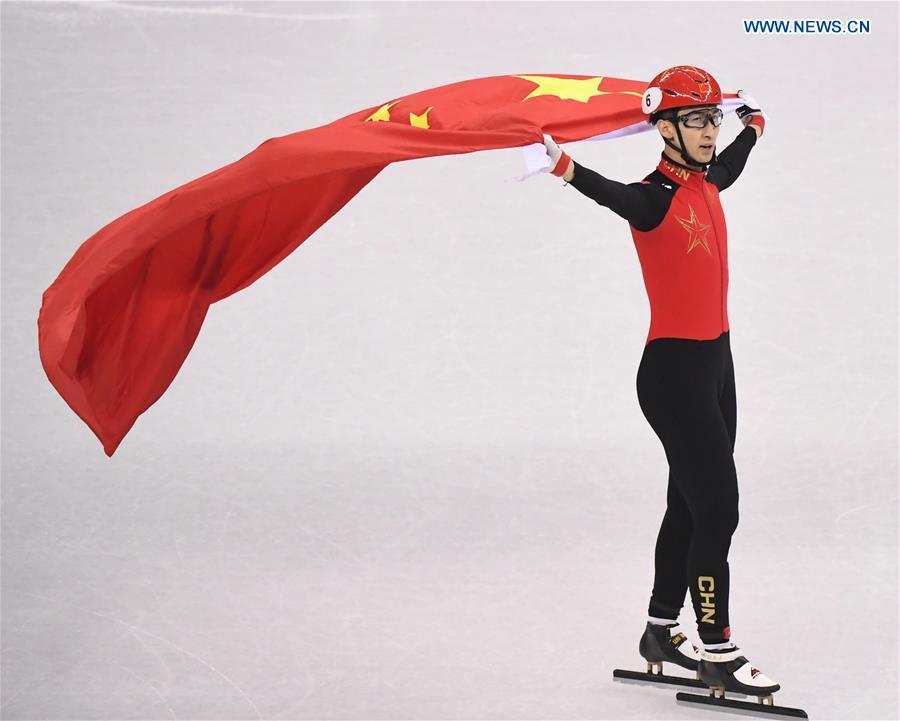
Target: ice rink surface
405,475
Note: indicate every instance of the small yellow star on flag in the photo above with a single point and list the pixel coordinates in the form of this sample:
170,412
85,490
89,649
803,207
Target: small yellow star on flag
383,113
420,121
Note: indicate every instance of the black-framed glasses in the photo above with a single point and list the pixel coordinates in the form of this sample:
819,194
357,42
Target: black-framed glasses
699,118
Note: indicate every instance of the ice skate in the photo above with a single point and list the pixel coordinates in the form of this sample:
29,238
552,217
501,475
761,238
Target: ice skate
728,670
665,644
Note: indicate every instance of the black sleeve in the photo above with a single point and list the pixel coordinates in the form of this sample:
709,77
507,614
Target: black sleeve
642,204
730,162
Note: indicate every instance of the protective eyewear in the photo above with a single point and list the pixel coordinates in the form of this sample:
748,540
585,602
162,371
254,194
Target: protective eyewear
699,118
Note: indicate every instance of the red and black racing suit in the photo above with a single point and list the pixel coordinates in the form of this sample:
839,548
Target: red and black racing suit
685,381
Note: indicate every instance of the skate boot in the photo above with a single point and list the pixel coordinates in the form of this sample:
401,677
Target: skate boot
662,644
728,670
668,643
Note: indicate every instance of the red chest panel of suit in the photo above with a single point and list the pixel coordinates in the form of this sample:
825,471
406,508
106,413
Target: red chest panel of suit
684,261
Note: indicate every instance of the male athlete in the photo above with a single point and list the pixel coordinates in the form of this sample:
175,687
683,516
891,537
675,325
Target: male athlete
685,381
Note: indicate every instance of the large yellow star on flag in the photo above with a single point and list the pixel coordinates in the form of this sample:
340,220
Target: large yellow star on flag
564,88
696,231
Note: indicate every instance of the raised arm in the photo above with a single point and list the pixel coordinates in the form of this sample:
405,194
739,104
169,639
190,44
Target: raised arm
730,162
633,202
642,204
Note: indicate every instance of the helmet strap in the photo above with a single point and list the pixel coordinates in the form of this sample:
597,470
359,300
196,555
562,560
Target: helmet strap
673,118
684,152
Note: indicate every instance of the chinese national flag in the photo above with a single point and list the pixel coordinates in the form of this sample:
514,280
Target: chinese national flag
119,320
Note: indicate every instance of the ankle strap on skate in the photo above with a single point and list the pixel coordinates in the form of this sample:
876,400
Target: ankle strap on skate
717,657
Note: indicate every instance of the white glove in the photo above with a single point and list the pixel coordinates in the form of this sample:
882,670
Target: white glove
559,159
553,150
749,111
750,107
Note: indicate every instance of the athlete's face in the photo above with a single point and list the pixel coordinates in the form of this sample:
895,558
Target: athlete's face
699,142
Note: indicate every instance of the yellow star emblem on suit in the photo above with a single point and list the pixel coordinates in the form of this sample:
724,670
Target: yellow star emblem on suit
696,231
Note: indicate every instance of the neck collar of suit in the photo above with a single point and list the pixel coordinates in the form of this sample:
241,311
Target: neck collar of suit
680,173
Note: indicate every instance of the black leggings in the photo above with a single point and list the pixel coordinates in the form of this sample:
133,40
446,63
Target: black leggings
686,392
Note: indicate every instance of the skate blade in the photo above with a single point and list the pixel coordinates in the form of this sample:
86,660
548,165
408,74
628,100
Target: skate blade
623,674
764,709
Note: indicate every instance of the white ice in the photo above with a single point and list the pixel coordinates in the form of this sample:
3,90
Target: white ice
405,474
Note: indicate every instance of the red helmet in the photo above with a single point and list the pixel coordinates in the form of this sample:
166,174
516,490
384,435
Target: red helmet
680,87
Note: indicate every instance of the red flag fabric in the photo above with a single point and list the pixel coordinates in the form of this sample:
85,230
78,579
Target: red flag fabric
117,323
